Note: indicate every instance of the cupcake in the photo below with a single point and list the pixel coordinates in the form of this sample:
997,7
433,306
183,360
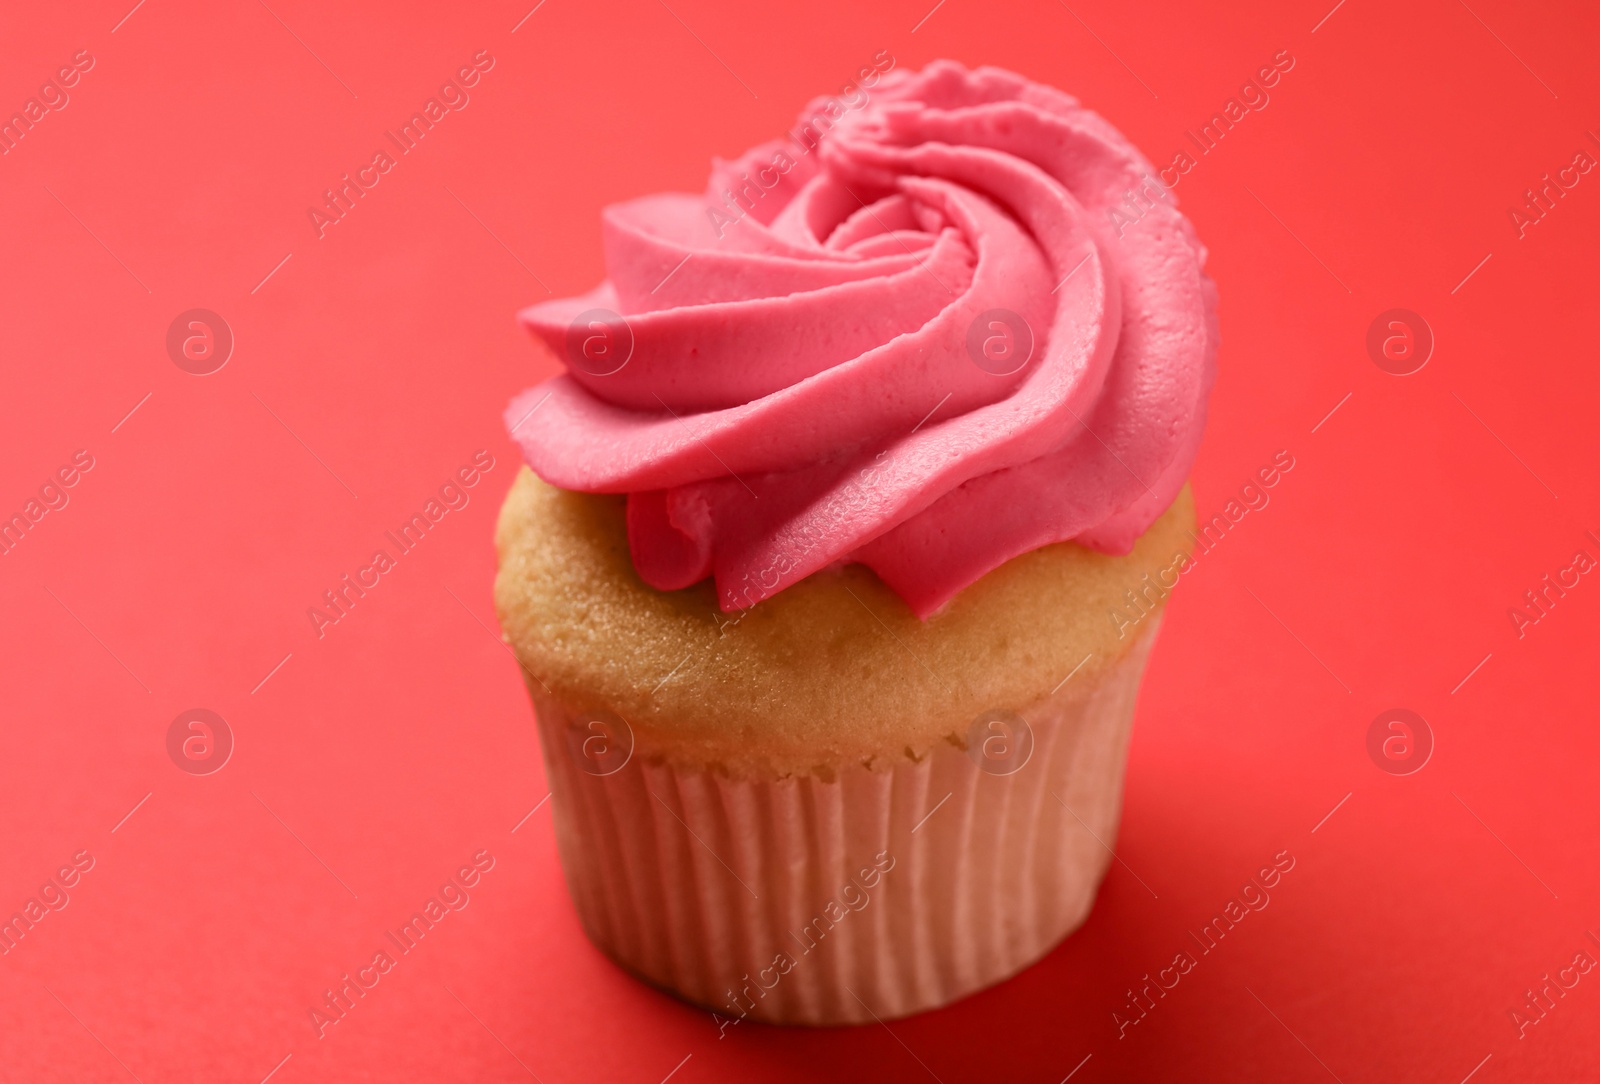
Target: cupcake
848,530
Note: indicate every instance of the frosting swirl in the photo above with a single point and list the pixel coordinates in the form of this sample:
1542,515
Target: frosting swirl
963,325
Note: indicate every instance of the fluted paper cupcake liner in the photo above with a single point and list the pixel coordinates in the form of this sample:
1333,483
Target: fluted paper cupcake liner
840,897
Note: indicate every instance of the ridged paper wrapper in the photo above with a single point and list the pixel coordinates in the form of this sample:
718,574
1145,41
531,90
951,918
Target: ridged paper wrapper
853,893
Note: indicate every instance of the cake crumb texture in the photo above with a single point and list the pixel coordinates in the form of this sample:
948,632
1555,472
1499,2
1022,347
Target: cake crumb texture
835,670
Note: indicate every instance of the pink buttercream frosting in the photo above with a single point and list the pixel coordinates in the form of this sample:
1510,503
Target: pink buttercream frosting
965,323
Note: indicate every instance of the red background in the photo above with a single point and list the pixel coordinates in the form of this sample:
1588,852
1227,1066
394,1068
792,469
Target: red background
379,757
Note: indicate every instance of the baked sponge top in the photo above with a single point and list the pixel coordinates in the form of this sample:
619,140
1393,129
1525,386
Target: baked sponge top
833,671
